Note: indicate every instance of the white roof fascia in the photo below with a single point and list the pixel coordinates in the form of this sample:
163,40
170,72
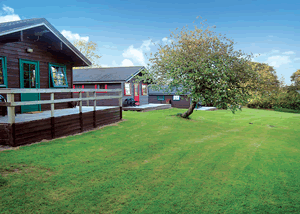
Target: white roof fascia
37,25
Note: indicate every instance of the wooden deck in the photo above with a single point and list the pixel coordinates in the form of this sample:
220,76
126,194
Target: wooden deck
30,128
148,107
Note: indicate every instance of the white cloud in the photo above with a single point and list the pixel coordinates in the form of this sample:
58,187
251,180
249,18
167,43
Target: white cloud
137,54
8,10
127,62
296,59
289,52
8,15
166,40
277,61
146,45
73,36
104,65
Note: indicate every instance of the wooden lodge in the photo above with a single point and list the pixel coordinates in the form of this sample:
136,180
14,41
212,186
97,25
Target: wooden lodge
36,76
113,78
170,97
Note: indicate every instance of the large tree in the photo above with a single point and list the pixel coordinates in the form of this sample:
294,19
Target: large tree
89,50
268,80
295,79
204,65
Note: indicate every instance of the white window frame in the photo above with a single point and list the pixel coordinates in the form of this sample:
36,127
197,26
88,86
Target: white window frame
126,90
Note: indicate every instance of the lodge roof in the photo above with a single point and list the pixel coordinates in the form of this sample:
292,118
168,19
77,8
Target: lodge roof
109,74
7,28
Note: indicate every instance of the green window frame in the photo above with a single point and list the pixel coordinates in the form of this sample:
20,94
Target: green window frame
161,98
53,80
3,72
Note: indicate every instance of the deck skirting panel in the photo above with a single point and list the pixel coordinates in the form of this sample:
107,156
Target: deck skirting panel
51,128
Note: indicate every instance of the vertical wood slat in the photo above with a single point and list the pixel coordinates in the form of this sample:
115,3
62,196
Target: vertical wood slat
80,112
120,99
11,110
80,102
52,105
52,117
95,105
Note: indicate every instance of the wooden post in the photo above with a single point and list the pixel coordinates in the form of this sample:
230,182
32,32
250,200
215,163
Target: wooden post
95,105
80,102
80,112
52,117
11,109
120,99
11,117
120,104
52,105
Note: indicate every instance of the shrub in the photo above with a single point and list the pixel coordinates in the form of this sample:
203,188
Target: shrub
281,99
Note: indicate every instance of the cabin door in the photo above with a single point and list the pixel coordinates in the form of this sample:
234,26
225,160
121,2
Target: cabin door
136,92
29,78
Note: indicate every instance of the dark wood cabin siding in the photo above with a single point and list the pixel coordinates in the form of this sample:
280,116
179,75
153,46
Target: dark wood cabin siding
17,50
182,103
108,102
35,131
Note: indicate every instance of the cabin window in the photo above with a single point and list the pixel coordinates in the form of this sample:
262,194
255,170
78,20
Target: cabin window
101,86
127,91
160,98
3,72
144,89
176,97
58,75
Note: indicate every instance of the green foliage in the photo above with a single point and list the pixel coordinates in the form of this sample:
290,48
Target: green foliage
282,99
267,82
205,65
89,50
157,163
295,79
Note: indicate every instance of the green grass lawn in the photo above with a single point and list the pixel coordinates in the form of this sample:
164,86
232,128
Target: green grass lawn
154,162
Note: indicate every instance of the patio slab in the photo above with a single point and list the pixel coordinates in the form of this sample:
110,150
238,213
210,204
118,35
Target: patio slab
206,108
147,107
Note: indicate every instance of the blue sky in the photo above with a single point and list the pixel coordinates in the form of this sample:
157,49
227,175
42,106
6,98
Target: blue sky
123,30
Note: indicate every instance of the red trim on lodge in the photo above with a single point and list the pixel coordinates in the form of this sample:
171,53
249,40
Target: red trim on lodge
96,87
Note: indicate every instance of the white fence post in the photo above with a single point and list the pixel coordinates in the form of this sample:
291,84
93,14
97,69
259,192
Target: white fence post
80,102
11,109
120,99
95,101
52,105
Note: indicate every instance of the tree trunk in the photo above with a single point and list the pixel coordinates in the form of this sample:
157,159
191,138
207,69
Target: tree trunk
190,110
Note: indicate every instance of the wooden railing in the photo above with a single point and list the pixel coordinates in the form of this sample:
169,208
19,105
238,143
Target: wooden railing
11,104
